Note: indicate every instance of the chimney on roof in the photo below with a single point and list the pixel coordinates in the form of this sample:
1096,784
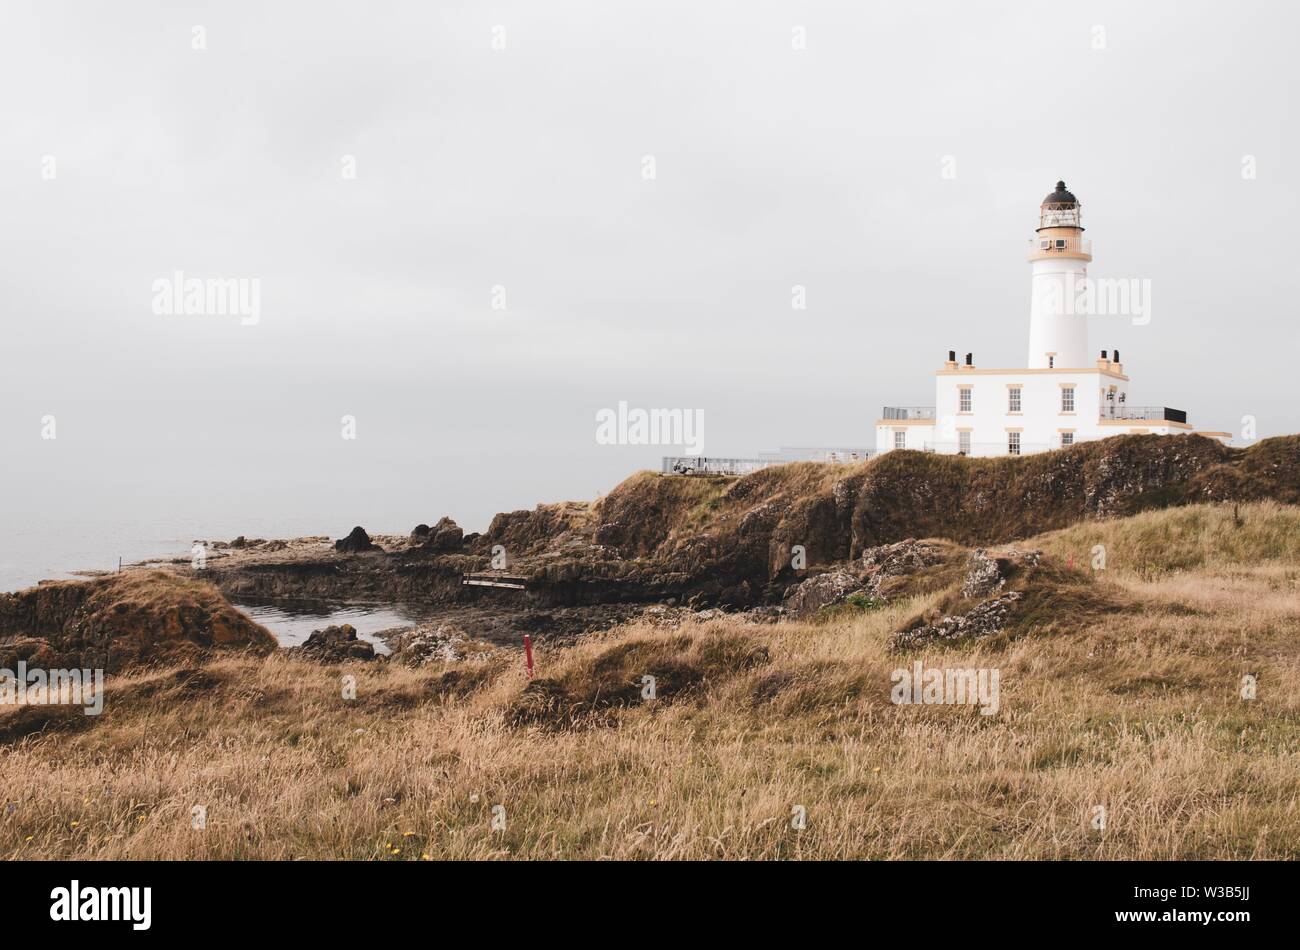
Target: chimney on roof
968,360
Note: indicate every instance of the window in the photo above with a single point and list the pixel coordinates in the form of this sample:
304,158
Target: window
963,400
1013,443
1013,399
900,440
1044,245
1067,399
1067,438
963,443
1060,243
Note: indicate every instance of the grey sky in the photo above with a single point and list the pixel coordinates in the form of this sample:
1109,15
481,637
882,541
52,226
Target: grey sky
522,168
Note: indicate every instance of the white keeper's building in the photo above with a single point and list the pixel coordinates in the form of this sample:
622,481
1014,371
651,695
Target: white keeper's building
1064,394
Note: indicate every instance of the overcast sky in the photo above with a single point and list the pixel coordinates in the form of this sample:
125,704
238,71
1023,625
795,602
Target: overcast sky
522,168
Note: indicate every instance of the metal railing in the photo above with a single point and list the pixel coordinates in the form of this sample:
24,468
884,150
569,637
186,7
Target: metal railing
819,453
701,465
1150,413
907,412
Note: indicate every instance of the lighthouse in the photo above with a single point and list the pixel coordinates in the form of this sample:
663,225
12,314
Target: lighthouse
1064,393
1058,258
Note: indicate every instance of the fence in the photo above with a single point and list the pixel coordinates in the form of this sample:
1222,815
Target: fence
1153,413
846,454
907,412
700,465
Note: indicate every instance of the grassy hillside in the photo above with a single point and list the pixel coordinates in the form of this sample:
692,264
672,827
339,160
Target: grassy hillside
1197,536
970,500
729,541
1139,712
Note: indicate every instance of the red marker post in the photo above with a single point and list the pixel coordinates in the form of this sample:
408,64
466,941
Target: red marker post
528,653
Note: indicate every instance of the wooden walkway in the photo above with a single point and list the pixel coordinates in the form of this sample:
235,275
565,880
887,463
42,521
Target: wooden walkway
495,579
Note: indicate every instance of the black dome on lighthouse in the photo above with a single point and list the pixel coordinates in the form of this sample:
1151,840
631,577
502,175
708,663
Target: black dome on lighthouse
1060,196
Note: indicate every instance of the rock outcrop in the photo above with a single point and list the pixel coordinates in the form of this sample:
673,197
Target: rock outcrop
357,542
824,590
983,620
438,643
985,573
1009,592
907,568
444,537
731,542
123,621
336,644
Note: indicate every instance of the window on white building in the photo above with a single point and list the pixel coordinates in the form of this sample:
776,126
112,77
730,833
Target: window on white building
900,440
963,400
1013,443
963,443
1067,438
1067,399
1013,399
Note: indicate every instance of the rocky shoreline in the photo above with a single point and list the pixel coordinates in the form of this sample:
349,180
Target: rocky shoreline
788,541
740,543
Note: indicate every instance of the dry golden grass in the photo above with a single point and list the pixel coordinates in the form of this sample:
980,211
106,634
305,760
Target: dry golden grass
1140,713
1156,543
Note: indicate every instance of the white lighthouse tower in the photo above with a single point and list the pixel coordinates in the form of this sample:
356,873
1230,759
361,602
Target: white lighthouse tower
1059,257
1064,393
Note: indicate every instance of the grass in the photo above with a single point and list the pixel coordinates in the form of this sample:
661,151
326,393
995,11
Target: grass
1197,536
1138,711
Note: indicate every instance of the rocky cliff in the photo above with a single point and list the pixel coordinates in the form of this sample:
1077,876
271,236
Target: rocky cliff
744,541
122,621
